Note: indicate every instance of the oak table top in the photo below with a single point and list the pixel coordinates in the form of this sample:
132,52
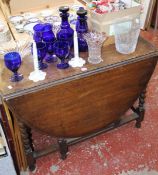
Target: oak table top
111,59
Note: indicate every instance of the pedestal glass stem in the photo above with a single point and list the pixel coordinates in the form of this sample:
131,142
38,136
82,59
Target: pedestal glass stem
16,77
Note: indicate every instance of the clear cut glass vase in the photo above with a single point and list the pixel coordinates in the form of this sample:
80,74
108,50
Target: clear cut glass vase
95,41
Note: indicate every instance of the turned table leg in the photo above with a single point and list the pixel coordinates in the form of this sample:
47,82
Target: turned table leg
141,109
63,148
27,143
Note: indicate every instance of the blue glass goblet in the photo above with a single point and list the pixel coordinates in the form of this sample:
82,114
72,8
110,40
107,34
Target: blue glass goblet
38,30
47,27
62,50
41,51
13,61
49,41
48,31
51,57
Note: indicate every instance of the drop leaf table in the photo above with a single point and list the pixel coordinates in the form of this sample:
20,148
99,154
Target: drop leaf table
73,105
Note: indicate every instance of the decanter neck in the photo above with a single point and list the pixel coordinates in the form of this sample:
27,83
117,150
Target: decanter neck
64,20
81,25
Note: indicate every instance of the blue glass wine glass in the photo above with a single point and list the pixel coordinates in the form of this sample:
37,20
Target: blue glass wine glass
38,30
49,41
47,30
51,57
41,51
62,50
13,61
47,27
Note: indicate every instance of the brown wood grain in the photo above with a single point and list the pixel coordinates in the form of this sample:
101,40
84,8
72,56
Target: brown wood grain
82,106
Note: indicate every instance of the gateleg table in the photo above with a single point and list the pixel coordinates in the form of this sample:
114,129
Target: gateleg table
74,105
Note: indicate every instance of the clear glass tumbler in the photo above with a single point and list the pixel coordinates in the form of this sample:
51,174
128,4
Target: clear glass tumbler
126,35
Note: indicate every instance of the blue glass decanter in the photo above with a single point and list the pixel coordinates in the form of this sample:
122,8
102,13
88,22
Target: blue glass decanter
81,28
66,32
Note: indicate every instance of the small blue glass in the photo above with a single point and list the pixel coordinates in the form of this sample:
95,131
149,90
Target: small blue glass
47,30
47,26
38,30
51,57
41,51
13,62
62,50
48,38
49,41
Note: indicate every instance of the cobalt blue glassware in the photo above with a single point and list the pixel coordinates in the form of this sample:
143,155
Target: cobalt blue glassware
38,30
13,61
47,30
51,57
41,51
81,28
48,38
47,27
61,50
66,32
49,41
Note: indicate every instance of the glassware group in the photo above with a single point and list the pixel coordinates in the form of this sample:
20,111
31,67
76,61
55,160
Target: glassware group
54,39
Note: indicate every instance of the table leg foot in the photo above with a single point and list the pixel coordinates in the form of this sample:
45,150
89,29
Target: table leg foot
138,124
141,110
32,167
28,145
63,148
31,162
